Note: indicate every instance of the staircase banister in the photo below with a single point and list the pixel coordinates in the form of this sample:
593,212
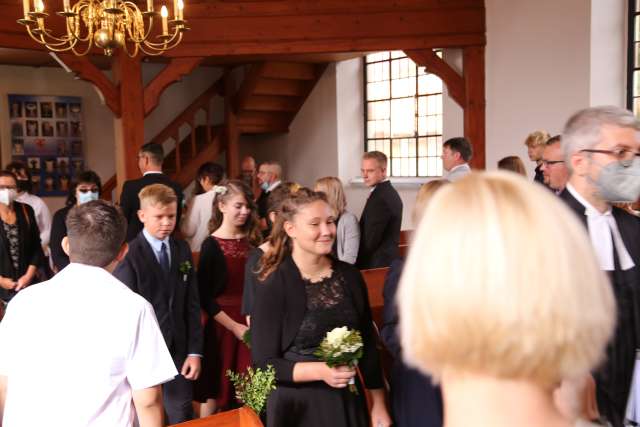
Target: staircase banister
107,188
189,112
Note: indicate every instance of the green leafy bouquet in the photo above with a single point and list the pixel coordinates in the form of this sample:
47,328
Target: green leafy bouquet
254,386
341,347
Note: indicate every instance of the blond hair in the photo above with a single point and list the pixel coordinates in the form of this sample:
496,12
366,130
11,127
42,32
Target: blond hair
484,292
425,193
513,164
378,156
332,188
157,194
537,138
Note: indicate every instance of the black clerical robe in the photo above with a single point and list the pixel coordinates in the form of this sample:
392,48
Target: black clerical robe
613,377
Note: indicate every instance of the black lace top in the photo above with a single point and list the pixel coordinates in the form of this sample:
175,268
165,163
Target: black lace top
329,306
11,230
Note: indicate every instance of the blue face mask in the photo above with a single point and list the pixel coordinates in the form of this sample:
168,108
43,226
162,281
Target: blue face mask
265,186
87,197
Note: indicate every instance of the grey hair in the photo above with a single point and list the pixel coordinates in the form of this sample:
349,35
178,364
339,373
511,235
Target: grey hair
582,130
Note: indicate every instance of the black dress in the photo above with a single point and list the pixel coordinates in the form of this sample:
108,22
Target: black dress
329,306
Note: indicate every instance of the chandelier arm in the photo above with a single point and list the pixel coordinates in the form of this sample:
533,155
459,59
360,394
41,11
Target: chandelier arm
41,39
176,35
75,32
155,51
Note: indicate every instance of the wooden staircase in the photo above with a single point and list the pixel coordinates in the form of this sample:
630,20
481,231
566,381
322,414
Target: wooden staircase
267,101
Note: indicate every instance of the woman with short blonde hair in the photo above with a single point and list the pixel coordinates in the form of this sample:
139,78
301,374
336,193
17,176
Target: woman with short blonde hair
494,310
535,143
347,240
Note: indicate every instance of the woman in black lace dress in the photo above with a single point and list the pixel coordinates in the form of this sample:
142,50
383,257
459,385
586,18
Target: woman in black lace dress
305,294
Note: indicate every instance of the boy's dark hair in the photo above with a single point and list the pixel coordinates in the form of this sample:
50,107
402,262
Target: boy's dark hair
96,231
460,145
154,151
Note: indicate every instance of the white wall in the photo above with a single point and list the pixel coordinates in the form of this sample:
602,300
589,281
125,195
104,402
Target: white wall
537,70
545,59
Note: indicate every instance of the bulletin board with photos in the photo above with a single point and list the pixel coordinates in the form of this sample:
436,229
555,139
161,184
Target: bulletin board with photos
47,134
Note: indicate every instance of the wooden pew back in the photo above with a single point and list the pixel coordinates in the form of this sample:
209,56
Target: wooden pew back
243,417
374,279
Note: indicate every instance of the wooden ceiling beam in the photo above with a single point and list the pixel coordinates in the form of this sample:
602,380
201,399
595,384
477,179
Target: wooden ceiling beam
434,64
170,74
84,69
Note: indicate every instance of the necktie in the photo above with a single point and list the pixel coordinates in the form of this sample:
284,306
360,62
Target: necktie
164,258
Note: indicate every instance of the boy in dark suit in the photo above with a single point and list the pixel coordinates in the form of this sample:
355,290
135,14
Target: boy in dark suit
160,269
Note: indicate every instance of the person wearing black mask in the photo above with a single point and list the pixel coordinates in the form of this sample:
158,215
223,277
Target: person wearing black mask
43,215
601,146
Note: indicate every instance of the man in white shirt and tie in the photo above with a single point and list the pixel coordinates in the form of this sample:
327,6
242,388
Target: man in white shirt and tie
456,154
600,148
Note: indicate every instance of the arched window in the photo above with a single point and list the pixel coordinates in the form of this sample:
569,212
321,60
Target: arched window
403,114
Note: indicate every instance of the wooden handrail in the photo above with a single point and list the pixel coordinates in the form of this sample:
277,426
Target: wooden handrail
107,188
202,102
187,115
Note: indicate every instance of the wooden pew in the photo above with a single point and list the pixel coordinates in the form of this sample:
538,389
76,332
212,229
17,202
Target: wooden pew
374,279
243,417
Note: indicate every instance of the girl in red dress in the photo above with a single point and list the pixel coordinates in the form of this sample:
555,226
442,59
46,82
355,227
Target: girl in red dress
235,230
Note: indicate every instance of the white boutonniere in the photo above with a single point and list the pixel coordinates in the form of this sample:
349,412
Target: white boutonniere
220,189
185,267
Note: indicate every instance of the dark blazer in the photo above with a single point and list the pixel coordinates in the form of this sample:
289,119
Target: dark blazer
174,297
278,313
380,224
58,232
30,249
130,203
251,282
415,400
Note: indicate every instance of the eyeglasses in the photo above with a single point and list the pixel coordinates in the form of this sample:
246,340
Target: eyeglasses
623,155
548,163
87,190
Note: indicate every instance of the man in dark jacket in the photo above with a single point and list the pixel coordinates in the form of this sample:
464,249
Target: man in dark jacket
150,160
382,215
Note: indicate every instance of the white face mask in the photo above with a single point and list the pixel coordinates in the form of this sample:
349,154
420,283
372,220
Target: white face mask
7,196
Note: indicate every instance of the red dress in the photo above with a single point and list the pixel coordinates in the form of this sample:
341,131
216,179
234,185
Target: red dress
221,277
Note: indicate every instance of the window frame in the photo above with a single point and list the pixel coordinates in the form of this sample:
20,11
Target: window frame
632,12
416,136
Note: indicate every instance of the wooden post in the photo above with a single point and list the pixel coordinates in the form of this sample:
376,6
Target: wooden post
231,126
127,74
474,108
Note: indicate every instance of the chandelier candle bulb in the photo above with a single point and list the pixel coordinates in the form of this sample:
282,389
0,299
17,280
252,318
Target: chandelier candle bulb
66,5
180,9
149,5
25,6
165,26
175,9
38,5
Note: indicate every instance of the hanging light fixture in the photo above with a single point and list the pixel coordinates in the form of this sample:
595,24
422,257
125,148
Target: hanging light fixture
107,24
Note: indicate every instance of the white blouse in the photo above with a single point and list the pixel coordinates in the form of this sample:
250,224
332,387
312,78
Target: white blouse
195,224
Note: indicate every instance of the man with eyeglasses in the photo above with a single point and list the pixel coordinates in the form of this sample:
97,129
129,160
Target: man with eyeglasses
552,165
600,147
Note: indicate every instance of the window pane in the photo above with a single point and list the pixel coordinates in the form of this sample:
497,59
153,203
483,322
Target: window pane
404,117
637,31
422,147
403,87
379,56
412,167
636,106
397,54
433,147
378,110
636,54
395,167
429,84
636,83
379,90
422,166
432,166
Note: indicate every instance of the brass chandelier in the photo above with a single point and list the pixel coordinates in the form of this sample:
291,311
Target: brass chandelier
107,24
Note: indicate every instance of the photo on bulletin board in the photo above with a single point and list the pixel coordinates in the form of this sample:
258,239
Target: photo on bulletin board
47,134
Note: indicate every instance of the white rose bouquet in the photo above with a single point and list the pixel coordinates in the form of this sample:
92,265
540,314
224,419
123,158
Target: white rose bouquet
341,347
